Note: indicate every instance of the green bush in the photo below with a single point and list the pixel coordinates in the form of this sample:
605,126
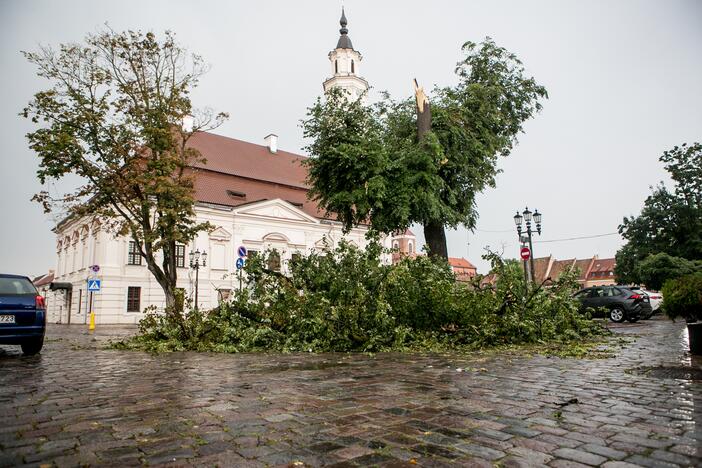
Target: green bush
347,300
682,297
656,269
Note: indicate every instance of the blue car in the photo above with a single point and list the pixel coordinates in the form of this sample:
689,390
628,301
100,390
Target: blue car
22,314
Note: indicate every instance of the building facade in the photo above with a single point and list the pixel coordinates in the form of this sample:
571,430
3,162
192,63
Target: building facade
254,195
462,269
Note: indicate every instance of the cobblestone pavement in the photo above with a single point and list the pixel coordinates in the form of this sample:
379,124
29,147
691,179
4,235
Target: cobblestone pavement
79,404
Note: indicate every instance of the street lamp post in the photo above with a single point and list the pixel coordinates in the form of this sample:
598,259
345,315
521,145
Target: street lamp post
528,217
195,264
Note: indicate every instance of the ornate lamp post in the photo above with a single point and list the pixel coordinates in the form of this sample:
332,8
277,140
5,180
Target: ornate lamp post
195,264
528,217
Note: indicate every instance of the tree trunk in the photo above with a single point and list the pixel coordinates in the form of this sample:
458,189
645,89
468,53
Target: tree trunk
435,237
434,233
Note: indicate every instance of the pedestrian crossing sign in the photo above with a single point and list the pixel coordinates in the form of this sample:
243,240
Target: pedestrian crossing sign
94,285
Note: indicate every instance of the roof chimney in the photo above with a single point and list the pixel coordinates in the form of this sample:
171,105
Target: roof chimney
272,142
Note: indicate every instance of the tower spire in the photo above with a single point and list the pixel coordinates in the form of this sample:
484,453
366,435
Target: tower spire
343,22
344,65
344,40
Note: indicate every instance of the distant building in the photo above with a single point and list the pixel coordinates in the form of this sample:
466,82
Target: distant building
593,271
462,268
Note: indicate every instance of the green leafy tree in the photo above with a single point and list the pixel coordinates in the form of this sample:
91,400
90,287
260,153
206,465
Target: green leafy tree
113,117
654,270
368,164
671,220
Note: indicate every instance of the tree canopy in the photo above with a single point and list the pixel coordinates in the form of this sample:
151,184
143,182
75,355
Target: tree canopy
369,165
670,221
113,116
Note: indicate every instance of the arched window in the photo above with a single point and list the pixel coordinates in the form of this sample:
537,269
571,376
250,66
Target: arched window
396,245
336,66
353,69
411,248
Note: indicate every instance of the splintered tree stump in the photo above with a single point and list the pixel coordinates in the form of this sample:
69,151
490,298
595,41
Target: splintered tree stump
434,233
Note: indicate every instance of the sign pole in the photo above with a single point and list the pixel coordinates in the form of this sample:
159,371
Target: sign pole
242,252
91,327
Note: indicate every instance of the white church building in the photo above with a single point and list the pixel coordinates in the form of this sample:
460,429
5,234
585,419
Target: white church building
254,195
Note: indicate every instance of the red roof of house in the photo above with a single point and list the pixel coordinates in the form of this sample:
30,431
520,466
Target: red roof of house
540,268
460,263
249,160
559,266
584,267
238,173
43,279
602,265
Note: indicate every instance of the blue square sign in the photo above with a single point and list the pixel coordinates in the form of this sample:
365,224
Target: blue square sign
94,285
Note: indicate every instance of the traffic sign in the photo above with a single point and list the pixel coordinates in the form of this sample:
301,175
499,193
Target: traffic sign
242,251
525,253
94,268
94,285
239,263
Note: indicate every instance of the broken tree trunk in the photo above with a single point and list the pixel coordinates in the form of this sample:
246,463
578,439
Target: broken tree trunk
434,233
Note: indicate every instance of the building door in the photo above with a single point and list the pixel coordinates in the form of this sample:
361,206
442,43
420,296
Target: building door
69,301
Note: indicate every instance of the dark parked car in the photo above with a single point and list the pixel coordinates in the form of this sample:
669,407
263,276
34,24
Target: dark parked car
22,314
620,302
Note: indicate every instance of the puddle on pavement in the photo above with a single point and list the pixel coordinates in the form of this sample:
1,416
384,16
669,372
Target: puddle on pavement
300,366
673,372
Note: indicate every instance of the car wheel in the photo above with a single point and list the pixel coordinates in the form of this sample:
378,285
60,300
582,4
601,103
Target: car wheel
647,316
616,315
32,347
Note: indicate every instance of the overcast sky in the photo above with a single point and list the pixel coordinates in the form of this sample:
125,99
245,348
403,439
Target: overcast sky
624,80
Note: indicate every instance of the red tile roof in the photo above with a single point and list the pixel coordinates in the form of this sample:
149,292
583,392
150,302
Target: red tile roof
559,266
541,268
237,173
229,190
584,267
602,265
43,279
460,263
244,159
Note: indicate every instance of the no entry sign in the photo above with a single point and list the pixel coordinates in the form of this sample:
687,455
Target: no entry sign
525,253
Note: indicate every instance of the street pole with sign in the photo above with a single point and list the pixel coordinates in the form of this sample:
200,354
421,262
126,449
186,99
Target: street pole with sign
242,252
528,217
94,285
195,263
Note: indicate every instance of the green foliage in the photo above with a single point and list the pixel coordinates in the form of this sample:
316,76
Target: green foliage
113,117
682,297
671,221
368,165
348,300
656,269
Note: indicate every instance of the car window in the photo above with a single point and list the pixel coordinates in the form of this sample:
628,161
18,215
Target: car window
610,292
581,294
16,286
596,292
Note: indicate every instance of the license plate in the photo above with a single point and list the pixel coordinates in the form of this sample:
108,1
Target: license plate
7,319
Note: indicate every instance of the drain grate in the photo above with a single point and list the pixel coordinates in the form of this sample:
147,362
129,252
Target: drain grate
676,372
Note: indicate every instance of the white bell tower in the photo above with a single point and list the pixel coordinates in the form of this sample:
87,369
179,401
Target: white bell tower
345,62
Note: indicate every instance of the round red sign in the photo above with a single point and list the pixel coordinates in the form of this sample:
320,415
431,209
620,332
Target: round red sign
525,253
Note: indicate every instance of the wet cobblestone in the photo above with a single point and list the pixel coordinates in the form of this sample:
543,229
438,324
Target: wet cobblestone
79,404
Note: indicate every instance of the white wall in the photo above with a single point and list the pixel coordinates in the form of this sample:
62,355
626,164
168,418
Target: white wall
259,226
